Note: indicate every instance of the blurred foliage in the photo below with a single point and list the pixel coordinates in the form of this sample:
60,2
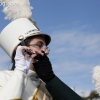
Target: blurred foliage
93,95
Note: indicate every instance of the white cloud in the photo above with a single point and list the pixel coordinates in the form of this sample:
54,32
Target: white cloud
83,93
85,43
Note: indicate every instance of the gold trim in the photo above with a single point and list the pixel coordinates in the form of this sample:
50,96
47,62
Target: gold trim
51,98
36,93
45,94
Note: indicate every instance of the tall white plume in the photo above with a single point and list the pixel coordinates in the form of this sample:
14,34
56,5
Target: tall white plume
96,78
15,9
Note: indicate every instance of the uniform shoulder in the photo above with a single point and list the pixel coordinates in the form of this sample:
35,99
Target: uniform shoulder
4,76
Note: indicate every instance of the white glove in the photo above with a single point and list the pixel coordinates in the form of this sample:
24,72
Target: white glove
21,63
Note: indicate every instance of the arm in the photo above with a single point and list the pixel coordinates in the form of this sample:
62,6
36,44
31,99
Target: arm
14,87
61,91
54,85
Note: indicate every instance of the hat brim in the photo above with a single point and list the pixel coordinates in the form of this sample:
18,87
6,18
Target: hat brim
46,37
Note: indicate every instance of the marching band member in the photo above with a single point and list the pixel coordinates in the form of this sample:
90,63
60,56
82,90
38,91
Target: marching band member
32,77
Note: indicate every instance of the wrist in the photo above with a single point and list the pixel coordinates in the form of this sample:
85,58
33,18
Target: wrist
49,78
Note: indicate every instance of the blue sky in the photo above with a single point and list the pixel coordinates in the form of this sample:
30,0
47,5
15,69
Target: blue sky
75,46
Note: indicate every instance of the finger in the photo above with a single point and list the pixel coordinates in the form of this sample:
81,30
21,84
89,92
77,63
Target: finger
33,57
28,52
34,54
23,48
34,60
39,52
26,56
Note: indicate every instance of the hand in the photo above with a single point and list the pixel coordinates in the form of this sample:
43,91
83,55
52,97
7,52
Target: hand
43,69
22,62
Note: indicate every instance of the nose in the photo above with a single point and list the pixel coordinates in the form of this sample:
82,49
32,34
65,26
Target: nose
46,50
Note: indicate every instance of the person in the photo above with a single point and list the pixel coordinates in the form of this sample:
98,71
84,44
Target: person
31,77
22,82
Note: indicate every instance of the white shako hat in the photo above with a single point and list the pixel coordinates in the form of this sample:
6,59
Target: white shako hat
17,31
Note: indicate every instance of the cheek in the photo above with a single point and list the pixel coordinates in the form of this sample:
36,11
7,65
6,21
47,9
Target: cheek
32,48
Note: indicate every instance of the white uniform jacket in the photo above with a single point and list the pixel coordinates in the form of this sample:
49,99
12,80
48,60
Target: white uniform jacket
16,85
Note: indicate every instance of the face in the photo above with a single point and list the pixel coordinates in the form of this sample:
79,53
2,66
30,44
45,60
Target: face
37,45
